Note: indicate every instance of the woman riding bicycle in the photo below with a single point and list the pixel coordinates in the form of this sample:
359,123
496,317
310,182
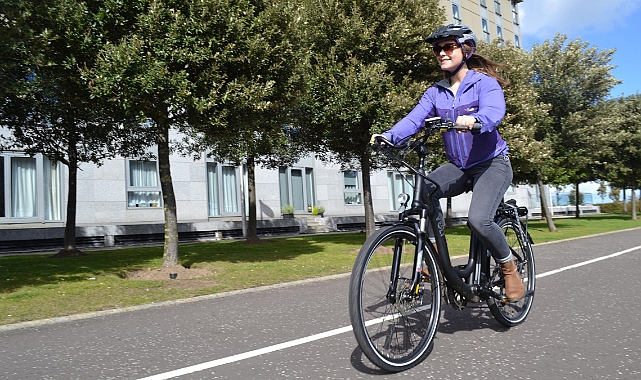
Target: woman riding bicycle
470,93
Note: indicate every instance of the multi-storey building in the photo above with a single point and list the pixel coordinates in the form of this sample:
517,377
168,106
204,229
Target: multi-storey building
120,202
489,19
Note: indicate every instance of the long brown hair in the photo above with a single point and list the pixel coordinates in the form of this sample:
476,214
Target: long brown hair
483,65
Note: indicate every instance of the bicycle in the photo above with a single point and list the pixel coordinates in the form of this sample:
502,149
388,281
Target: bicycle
399,280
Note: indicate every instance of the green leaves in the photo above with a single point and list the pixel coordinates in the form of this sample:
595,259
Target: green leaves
45,100
572,77
368,64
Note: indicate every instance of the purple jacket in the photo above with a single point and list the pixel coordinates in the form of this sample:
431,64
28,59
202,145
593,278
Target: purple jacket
478,95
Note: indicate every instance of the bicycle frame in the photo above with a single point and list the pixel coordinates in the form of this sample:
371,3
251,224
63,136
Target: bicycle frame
467,279
396,333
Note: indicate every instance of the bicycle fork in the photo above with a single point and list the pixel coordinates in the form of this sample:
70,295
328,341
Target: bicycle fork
413,290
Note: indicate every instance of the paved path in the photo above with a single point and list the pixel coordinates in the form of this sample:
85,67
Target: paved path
585,324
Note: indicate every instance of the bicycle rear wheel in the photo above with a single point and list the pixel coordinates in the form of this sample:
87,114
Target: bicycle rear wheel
510,314
395,333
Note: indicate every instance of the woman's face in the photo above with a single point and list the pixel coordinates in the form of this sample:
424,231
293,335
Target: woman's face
448,54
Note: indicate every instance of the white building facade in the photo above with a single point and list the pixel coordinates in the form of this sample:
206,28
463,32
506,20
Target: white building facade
120,202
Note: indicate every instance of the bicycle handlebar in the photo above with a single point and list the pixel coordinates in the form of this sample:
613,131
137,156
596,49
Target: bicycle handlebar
431,125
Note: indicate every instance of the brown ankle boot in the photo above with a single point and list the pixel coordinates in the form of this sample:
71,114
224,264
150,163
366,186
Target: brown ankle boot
513,283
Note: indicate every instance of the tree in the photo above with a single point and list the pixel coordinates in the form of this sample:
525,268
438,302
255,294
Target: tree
368,66
46,104
180,66
621,118
615,194
269,62
530,157
602,190
576,198
572,77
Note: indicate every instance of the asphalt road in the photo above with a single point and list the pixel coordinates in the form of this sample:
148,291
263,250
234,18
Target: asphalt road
584,325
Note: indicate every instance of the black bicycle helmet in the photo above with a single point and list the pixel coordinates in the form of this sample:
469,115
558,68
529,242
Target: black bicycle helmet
461,33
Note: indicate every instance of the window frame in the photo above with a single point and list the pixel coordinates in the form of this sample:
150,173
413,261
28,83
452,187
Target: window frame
40,212
515,13
358,191
456,13
486,31
287,192
220,193
393,192
129,188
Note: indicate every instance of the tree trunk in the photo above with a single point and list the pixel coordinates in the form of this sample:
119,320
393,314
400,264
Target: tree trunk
370,221
448,214
545,209
70,248
577,197
252,227
625,204
634,196
170,253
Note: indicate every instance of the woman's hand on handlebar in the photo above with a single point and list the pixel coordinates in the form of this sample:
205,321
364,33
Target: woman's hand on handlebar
465,121
377,136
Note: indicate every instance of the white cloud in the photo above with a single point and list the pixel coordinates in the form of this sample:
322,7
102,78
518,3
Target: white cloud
544,18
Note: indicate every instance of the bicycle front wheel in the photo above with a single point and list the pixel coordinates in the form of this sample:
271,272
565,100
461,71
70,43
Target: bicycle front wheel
394,325
510,314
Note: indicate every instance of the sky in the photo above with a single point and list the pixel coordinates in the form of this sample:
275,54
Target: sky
605,24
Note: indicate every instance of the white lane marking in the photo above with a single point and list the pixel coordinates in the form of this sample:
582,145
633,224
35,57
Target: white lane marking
247,355
327,334
587,262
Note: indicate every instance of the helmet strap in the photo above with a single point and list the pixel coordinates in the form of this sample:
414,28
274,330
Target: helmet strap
465,58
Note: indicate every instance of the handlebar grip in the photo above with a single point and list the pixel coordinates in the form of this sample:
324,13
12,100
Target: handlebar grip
476,128
380,142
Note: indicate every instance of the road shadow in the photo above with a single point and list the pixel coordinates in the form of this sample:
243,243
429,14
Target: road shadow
469,319
476,317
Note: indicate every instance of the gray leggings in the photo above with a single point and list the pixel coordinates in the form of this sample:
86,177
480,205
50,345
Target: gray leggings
490,180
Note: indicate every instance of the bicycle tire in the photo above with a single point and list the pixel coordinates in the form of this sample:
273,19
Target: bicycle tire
510,314
393,336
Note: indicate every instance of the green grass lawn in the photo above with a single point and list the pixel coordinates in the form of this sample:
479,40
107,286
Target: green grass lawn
37,286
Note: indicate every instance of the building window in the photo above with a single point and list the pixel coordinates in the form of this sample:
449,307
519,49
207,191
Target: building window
398,183
483,3
223,190
515,13
30,188
297,188
497,7
23,187
486,31
52,189
517,41
3,205
499,32
352,191
456,14
143,184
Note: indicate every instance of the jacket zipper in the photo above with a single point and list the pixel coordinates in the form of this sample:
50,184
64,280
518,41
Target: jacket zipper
457,138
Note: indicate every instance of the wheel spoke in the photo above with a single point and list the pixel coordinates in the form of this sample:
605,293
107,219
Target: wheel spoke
394,336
